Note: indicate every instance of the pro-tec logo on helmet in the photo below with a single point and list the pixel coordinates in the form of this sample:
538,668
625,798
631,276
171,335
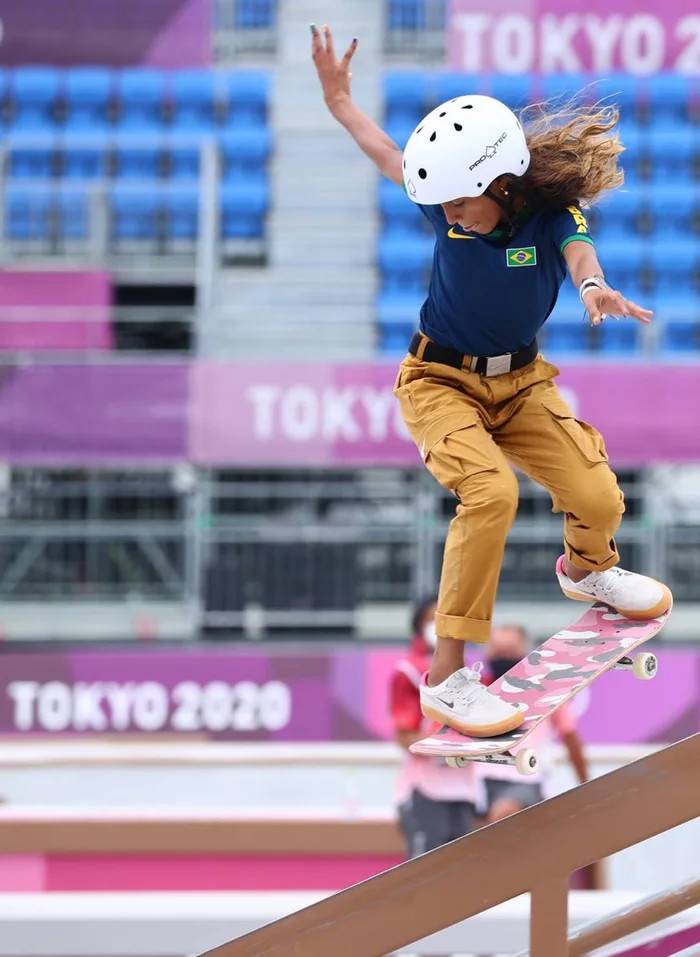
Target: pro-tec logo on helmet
489,151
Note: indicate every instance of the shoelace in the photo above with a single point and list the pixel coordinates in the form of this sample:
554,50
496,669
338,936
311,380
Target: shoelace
470,687
616,574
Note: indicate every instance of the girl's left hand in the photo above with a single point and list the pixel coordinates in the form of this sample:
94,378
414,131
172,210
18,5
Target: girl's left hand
600,303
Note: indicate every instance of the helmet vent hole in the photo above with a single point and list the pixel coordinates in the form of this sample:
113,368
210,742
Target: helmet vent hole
443,114
479,185
419,129
422,173
404,164
468,106
458,126
522,162
433,136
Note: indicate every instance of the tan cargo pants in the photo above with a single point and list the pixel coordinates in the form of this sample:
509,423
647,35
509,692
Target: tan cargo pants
468,429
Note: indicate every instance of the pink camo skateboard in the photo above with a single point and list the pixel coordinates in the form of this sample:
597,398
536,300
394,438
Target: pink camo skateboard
551,674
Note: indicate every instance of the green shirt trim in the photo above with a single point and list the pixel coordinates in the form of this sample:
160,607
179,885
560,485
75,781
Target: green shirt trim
572,239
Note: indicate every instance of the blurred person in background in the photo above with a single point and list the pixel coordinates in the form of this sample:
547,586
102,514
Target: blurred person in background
436,803
475,394
502,789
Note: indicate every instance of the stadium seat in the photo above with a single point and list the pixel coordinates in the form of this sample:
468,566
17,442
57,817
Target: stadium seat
399,132
245,153
243,210
624,261
88,93
623,208
247,93
445,86
140,99
254,14
34,97
73,210
681,335
668,95
672,150
515,91
399,214
675,209
137,157
31,156
193,101
400,308
84,160
566,333
405,98
676,264
134,212
394,340
563,86
619,336
182,157
45,213
404,263
181,211
405,14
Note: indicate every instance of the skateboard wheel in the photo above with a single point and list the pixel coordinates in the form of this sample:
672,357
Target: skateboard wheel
456,762
645,666
526,761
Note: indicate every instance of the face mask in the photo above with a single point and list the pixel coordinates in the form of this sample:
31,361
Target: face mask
499,666
430,634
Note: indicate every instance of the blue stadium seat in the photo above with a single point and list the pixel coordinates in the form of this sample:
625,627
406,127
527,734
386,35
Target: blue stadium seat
446,86
134,212
564,333
398,212
514,91
620,336
31,156
182,157
140,98
28,211
35,96
84,159
247,94
404,263
672,150
137,157
622,89
399,132
88,96
400,308
45,213
621,207
254,14
405,14
623,261
668,95
245,153
563,86
74,212
681,335
405,97
243,210
636,143
675,209
181,211
676,264
193,101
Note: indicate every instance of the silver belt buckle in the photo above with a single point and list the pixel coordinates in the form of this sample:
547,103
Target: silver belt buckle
498,365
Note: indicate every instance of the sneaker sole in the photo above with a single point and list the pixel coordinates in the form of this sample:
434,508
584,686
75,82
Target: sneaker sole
660,608
479,731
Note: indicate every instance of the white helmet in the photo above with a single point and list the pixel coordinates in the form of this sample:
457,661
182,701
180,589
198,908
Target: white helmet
461,147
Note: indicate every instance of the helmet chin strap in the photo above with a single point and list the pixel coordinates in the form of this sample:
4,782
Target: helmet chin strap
507,202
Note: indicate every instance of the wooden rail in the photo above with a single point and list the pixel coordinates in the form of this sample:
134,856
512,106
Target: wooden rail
533,851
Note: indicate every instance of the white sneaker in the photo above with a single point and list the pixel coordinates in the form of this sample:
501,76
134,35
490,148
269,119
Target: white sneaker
465,704
634,596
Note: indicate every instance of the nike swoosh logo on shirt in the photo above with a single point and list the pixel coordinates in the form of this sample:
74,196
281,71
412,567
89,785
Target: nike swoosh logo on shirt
453,235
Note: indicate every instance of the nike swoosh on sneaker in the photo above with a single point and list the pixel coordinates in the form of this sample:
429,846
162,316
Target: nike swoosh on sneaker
450,704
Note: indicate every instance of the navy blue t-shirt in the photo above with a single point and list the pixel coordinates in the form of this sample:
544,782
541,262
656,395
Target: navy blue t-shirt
489,295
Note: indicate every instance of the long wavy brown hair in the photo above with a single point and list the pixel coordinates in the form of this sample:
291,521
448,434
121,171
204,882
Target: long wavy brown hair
573,152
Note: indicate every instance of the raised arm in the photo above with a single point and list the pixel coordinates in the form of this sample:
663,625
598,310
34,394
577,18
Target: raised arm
334,76
599,300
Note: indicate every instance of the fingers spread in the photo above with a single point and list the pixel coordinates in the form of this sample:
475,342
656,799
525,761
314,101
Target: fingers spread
349,52
330,49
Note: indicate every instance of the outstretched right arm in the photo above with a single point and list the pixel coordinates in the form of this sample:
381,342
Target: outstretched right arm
334,76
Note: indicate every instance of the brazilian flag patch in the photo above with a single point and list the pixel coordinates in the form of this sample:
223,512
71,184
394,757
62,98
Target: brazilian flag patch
525,256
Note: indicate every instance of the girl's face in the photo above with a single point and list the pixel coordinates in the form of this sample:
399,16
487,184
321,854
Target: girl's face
475,214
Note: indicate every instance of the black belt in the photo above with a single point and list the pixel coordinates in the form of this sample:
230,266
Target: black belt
483,365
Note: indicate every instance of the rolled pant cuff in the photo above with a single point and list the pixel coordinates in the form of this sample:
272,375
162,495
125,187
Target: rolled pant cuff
463,629
577,559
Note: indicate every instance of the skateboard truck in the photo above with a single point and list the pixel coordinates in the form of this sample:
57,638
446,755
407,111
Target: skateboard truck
525,761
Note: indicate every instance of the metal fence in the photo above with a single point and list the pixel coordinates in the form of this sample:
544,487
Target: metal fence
264,553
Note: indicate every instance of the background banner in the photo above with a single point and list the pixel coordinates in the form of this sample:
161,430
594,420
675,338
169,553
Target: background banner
162,33
641,37
337,696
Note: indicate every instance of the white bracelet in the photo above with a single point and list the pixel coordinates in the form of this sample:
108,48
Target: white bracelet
591,282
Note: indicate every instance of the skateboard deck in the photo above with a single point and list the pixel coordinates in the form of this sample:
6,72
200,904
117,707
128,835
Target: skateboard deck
550,675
